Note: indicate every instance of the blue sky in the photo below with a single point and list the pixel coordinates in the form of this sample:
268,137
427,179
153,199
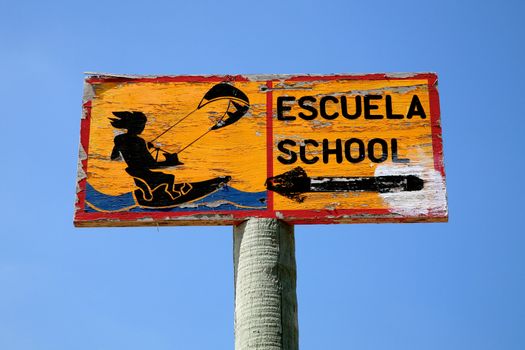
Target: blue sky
458,285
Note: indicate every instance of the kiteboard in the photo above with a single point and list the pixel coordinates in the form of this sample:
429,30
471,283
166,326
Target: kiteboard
161,197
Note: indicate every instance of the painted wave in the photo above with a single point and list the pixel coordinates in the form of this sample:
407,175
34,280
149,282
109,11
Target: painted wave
226,198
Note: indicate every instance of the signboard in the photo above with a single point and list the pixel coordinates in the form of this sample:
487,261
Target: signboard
216,150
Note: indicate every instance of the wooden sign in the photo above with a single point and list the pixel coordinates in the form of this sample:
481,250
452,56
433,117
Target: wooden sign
216,150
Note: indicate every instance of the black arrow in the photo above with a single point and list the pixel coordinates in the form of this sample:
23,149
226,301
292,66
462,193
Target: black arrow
295,182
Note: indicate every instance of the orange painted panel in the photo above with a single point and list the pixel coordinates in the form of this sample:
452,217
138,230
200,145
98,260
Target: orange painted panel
215,150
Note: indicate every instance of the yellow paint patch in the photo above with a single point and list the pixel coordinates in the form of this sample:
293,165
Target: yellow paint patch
238,150
414,136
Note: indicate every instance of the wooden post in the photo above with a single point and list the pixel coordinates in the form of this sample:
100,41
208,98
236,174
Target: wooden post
265,284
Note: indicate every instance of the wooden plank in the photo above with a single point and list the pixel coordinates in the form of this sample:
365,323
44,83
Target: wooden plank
301,148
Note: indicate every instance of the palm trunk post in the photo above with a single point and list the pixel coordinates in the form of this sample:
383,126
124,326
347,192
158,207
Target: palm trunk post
265,286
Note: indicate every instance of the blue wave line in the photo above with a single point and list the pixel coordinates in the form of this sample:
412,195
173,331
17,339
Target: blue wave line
226,198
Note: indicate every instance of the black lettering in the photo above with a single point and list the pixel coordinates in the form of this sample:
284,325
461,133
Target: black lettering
371,150
395,158
416,108
344,108
302,152
292,155
369,107
389,113
281,108
338,151
303,105
322,107
348,150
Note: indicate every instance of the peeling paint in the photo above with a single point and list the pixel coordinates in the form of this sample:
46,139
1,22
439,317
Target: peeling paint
400,75
332,206
299,85
394,89
432,199
213,204
146,219
82,155
318,124
81,174
265,77
258,77
212,217
89,92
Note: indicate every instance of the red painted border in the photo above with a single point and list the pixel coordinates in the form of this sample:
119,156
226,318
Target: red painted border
234,217
84,143
373,76
269,142
228,217
435,114
165,79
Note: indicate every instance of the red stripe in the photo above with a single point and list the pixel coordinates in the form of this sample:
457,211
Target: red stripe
269,140
435,119
291,216
165,79
376,76
236,214
84,143
217,78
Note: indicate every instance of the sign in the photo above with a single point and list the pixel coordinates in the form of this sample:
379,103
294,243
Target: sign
216,150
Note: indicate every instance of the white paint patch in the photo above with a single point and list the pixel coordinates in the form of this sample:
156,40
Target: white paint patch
214,204
316,124
81,174
431,200
263,77
147,219
89,92
401,75
323,180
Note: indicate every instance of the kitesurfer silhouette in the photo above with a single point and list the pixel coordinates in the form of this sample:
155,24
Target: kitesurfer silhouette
135,152
156,189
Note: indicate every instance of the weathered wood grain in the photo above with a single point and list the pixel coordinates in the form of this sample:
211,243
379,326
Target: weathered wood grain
334,127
